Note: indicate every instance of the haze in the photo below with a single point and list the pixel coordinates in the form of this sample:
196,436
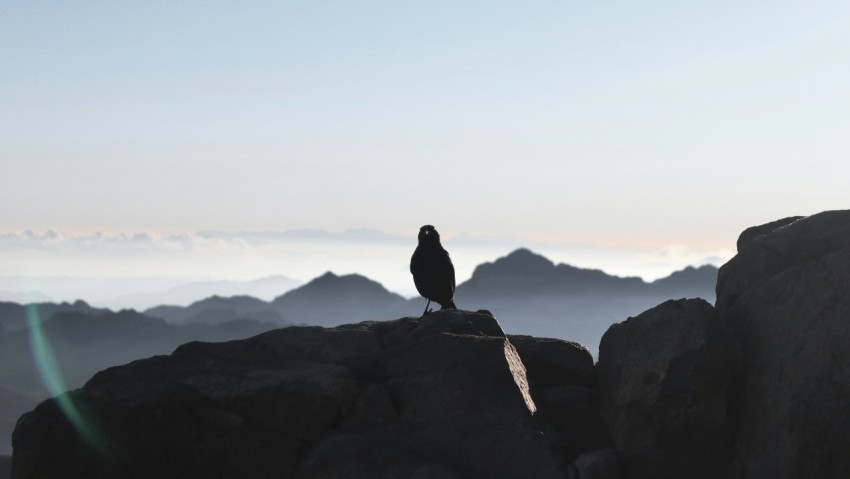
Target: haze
161,139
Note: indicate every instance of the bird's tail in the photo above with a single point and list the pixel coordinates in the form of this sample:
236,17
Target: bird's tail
449,305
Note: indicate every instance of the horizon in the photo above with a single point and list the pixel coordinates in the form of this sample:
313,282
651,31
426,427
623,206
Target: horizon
115,291
221,141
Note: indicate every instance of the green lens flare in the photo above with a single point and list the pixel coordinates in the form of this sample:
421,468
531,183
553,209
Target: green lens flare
51,373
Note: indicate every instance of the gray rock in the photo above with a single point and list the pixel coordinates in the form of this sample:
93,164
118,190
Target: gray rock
563,382
754,232
806,240
573,411
663,377
443,396
555,362
599,464
786,299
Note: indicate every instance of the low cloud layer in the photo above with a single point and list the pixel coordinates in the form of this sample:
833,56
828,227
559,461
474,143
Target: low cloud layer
105,266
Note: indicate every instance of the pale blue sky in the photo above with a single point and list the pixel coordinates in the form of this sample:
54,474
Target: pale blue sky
643,126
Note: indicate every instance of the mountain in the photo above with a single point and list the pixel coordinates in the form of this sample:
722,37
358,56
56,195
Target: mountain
329,297
524,273
184,294
312,303
217,309
532,295
13,316
528,293
691,281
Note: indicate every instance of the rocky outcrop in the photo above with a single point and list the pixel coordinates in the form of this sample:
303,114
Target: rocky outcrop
663,377
755,232
786,299
442,396
756,386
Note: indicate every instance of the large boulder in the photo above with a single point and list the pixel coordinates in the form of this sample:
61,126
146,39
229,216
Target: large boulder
555,362
442,396
563,382
786,298
754,233
663,377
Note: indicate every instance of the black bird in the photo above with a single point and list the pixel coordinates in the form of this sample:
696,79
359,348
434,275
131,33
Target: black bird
432,270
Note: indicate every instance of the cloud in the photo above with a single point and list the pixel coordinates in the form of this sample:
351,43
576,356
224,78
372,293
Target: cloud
304,254
357,235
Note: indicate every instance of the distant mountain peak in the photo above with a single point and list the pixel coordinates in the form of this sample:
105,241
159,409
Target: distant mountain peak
330,278
520,262
527,256
331,282
329,297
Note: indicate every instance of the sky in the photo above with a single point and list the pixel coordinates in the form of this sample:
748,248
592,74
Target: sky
197,139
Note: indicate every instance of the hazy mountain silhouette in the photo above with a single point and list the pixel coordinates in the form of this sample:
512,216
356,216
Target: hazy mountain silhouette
217,309
13,316
184,294
524,273
529,294
329,299
691,281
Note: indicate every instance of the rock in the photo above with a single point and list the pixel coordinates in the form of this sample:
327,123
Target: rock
563,381
754,232
663,377
600,464
573,411
443,396
555,362
807,240
785,299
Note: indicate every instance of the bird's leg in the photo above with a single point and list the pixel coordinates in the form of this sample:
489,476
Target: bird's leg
426,307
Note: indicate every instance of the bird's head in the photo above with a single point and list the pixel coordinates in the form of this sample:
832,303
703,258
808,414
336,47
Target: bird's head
427,234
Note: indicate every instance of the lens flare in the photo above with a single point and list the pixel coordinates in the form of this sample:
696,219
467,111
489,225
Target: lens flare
51,374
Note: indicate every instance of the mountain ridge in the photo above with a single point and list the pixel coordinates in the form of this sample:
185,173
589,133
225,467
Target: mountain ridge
519,274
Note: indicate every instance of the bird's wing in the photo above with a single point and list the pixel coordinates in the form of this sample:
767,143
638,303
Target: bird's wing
450,269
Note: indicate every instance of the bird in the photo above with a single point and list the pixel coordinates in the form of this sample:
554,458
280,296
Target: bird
432,270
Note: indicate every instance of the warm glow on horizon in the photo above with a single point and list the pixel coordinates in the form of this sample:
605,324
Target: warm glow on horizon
109,267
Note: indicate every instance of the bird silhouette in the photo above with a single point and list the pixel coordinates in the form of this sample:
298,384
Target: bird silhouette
432,270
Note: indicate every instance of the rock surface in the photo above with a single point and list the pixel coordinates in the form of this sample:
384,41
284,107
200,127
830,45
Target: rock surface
755,232
563,382
443,396
663,377
786,299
